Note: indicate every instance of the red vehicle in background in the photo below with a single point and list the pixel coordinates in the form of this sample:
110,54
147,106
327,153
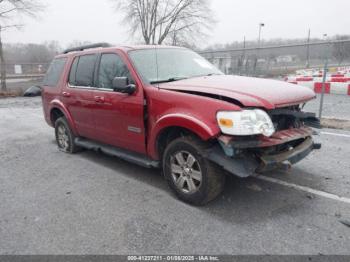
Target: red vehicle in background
169,108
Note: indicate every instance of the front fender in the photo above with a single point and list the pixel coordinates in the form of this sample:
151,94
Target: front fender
202,129
59,105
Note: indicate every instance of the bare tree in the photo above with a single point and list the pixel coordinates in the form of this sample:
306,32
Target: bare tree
10,12
173,21
341,51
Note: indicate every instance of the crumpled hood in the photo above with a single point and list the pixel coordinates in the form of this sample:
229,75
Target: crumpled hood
249,91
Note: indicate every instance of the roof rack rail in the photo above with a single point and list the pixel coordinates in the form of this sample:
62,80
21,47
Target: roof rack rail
83,47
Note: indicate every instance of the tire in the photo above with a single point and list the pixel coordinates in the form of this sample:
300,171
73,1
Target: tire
65,137
192,169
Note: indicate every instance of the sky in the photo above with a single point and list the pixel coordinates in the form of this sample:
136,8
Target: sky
98,21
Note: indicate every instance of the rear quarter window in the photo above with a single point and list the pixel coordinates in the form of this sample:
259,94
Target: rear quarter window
82,71
54,72
73,71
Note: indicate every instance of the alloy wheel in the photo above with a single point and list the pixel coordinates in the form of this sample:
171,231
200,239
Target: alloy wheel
62,137
186,172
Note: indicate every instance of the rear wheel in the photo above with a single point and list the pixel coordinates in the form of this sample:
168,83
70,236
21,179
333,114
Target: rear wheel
64,136
193,178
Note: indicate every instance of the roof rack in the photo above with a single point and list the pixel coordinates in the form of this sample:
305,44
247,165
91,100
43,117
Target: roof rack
83,47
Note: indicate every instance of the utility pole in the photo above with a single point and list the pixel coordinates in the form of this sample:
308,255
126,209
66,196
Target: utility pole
242,64
261,25
244,47
308,50
2,64
325,70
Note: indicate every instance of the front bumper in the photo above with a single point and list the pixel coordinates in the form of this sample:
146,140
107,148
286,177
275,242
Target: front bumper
286,159
249,157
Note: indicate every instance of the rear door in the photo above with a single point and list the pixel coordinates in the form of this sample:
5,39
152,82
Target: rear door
51,83
118,117
77,94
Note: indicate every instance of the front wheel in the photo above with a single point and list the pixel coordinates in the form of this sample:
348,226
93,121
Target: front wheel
193,178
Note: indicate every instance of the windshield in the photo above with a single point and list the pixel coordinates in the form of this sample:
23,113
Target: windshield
173,64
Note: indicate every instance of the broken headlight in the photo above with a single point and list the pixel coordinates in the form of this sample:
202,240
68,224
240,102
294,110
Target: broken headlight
245,122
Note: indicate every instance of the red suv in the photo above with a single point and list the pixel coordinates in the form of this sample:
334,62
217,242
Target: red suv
169,108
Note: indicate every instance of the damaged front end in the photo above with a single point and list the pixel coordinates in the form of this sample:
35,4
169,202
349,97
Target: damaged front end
249,155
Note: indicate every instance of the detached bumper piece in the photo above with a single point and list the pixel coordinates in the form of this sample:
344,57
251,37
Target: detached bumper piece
243,165
250,156
286,159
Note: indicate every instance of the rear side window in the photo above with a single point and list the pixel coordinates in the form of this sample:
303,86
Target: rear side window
82,71
73,71
54,72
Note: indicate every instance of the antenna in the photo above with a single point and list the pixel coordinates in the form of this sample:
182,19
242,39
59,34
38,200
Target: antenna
156,55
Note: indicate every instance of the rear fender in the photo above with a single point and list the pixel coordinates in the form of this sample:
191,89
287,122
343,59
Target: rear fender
59,105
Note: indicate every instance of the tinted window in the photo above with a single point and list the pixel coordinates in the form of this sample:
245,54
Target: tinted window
54,72
111,66
84,75
73,71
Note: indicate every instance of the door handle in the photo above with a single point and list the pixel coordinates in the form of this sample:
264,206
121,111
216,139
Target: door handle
66,94
99,99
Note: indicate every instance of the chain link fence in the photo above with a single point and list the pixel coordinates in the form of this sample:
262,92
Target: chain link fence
277,61
22,70
264,61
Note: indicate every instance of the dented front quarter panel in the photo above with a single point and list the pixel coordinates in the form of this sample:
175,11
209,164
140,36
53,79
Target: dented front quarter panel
176,109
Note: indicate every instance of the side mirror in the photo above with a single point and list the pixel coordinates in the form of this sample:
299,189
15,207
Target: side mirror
121,84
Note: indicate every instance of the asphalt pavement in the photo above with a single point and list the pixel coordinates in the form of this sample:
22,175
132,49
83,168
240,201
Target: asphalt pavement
90,203
334,106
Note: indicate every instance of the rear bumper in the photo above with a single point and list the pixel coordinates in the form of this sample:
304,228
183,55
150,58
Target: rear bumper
249,157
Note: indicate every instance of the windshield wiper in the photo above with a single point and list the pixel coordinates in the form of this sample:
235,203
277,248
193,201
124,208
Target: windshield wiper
210,74
213,74
172,79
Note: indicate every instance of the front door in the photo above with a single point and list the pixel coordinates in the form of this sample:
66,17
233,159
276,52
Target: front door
118,117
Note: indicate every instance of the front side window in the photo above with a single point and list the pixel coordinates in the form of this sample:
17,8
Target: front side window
54,72
82,71
111,66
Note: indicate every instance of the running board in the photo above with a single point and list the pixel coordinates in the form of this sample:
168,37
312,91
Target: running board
127,155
